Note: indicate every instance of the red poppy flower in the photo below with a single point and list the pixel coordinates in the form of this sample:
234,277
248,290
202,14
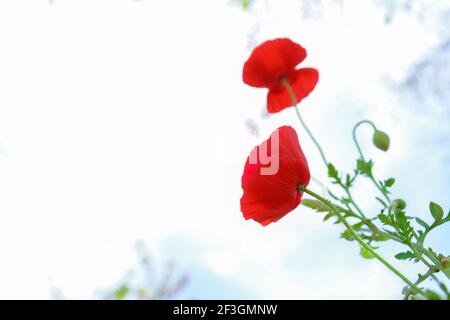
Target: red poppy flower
274,61
272,174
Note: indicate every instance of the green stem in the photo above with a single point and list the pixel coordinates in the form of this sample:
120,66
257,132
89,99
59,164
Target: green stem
372,227
358,238
421,279
294,100
419,255
354,135
349,211
385,195
352,201
419,247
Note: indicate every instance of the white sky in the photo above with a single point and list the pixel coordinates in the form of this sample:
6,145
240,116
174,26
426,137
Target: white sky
124,120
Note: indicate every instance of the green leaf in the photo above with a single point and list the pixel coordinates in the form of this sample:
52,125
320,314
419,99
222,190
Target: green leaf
393,235
422,223
431,295
347,235
328,216
366,254
317,205
365,167
389,182
408,255
358,226
436,211
402,224
384,219
349,179
332,172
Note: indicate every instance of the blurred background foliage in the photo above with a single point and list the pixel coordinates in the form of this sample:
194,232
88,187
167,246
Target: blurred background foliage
143,282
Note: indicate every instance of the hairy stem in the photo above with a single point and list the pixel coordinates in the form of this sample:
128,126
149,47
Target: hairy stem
294,100
421,279
359,240
385,195
419,247
354,135
352,201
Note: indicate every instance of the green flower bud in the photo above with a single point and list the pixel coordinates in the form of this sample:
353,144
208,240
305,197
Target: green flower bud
398,204
445,261
381,140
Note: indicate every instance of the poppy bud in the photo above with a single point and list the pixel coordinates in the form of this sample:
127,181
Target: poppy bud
445,262
381,140
398,204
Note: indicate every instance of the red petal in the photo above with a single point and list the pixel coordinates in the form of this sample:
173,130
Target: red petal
302,82
271,60
267,198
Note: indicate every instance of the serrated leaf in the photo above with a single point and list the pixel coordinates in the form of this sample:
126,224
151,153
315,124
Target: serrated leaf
422,223
408,255
364,167
316,205
392,235
402,222
332,172
384,219
436,211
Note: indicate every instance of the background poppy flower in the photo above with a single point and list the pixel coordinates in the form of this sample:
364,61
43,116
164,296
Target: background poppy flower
274,60
267,198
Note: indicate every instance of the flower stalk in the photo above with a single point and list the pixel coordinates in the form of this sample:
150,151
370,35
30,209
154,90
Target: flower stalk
359,240
266,199
286,84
